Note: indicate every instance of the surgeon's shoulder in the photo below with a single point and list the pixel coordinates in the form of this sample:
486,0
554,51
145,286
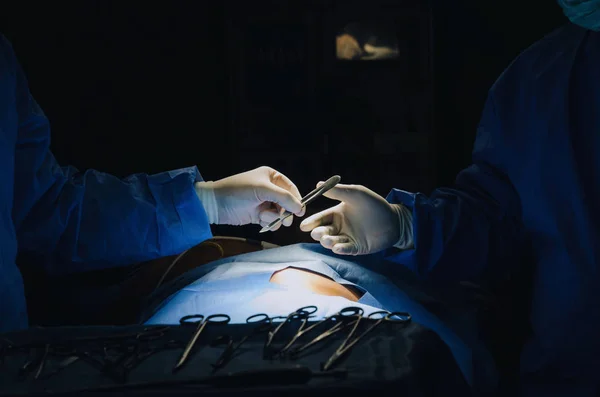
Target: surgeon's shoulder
544,59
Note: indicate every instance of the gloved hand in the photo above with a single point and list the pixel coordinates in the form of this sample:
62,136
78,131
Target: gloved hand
258,196
363,223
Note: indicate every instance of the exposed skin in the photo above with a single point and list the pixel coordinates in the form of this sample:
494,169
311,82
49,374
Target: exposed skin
347,47
302,279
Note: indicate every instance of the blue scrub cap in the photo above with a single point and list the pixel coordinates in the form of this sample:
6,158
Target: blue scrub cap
585,13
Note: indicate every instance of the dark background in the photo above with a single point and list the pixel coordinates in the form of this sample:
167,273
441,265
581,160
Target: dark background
150,86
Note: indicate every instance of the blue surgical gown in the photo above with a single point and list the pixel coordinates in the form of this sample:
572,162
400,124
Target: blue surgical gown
534,181
77,221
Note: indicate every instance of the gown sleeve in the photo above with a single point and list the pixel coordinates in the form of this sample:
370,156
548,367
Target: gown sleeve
474,228
88,220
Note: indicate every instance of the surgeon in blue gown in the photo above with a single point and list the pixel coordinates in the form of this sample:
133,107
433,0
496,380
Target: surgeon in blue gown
77,222
534,184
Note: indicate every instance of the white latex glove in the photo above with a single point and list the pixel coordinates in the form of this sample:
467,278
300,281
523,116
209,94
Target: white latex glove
258,196
363,223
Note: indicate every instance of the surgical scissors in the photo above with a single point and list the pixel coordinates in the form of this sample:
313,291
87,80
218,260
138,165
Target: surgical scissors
39,362
128,358
146,333
201,322
301,313
348,343
346,312
152,333
264,324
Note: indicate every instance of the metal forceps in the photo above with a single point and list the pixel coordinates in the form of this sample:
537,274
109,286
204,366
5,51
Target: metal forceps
128,359
302,313
346,312
39,362
201,322
309,198
139,352
264,324
348,343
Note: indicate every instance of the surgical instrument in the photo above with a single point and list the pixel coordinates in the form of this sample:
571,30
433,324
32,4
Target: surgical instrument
61,365
39,362
201,322
310,197
340,323
264,324
346,312
348,343
297,314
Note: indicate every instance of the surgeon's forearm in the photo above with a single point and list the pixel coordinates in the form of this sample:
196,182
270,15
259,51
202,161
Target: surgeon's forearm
92,219
460,234
405,222
206,194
